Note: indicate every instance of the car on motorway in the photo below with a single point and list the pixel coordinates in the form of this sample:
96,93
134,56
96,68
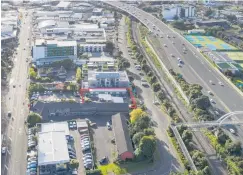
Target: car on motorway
221,84
211,82
4,150
232,130
172,55
212,101
210,93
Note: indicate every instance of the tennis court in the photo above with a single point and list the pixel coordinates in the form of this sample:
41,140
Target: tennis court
209,41
236,56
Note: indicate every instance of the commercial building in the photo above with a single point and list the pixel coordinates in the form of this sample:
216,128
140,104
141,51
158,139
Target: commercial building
52,148
122,138
169,12
212,23
62,111
53,155
97,12
48,51
108,79
86,47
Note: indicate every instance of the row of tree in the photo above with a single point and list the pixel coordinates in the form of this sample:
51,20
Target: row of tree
227,150
198,157
199,103
219,32
142,134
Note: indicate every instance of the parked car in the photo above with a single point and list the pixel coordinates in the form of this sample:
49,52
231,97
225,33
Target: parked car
87,148
104,160
108,125
72,156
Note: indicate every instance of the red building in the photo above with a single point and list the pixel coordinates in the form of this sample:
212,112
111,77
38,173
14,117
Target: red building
123,141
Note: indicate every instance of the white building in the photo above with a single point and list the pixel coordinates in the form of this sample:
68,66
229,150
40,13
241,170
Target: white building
107,79
169,12
52,148
48,51
85,47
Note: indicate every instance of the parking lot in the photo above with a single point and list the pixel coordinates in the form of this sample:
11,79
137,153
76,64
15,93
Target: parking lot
55,96
102,138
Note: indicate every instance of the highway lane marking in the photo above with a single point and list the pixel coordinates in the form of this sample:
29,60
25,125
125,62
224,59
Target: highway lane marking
205,84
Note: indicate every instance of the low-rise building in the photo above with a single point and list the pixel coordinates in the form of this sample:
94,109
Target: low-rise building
97,12
61,111
47,51
108,79
212,23
122,138
52,151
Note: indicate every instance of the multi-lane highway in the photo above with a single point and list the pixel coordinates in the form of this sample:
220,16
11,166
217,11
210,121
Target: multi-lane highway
15,159
195,68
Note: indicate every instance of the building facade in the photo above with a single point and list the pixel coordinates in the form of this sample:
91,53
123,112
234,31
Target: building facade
85,47
107,79
48,51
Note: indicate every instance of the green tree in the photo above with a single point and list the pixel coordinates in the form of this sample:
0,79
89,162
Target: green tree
231,18
161,95
137,137
140,124
199,159
109,47
233,148
136,113
78,74
33,73
74,163
186,136
67,64
156,87
208,12
33,118
149,131
147,146
241,25
202,102
153,80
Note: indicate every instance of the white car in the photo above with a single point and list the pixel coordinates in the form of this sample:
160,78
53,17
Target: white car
211,82
165,45
210,93
221,84
171,55
212,101
232,131
179,65
173,42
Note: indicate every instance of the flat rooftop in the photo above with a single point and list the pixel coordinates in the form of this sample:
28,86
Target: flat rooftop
57,126
101,59
39,42
52,148
121,75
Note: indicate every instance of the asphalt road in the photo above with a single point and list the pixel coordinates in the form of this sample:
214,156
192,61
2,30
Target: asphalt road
200,140
195,68
15,159
168,157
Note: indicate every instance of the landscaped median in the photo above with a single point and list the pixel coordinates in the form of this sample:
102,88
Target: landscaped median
227,150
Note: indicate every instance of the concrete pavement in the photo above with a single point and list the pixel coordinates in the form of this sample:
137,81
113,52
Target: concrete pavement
15,163
168,157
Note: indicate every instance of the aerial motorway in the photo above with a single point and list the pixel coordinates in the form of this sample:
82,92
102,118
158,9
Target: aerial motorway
195,68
